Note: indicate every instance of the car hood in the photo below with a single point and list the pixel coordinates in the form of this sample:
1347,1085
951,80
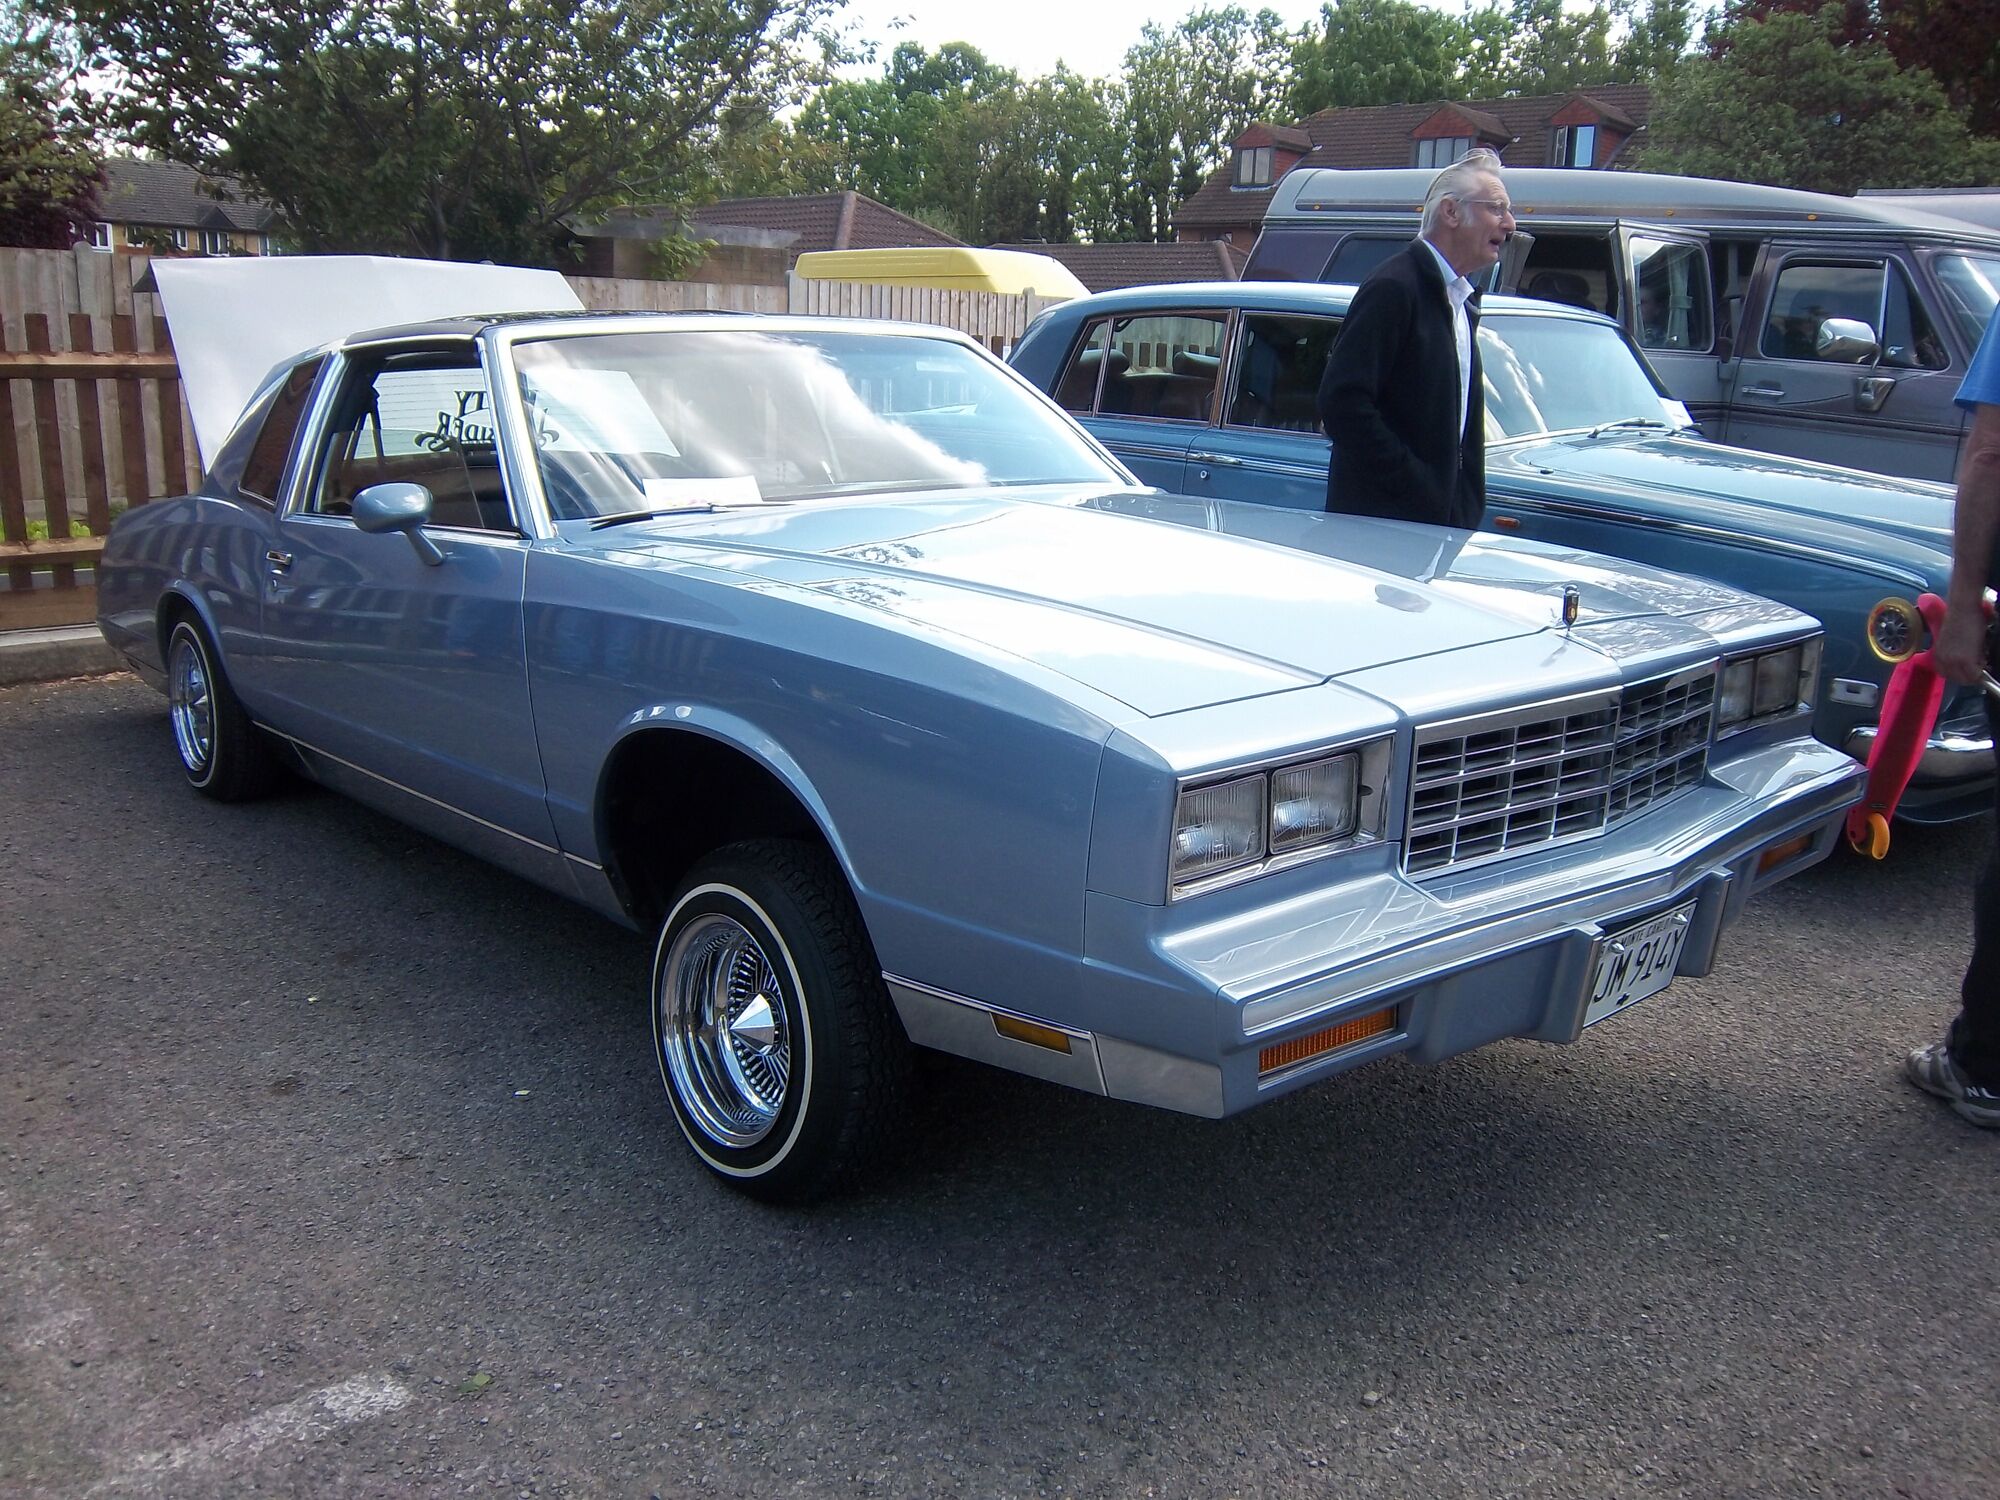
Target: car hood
1764,493
1162,602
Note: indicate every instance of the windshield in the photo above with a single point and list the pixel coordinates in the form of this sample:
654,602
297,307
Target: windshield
1972,288
1557,374
629,423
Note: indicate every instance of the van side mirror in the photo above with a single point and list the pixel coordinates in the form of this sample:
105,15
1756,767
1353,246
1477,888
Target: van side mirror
1847,341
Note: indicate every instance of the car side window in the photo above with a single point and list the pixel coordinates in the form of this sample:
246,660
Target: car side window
1164,365
1809,295
422,418
1077,390
1278,374
264,472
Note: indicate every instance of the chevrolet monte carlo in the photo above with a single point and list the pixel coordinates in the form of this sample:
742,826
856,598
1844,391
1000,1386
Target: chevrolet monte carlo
836,656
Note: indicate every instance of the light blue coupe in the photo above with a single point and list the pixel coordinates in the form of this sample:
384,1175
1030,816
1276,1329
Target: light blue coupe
837,657
1211,391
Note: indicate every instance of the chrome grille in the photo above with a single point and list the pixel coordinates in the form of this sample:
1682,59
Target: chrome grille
1501,783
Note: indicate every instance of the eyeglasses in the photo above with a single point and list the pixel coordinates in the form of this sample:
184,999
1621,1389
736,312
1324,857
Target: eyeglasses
1502,209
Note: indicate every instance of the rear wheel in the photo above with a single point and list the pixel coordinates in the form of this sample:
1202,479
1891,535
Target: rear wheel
224,755
787,1068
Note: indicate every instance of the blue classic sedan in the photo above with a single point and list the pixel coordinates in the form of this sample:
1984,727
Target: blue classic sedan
1211,391
835,657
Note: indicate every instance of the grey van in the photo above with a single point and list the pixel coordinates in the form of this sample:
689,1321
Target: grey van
1827,328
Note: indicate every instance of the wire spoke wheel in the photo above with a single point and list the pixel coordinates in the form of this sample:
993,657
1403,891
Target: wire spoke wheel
726,1039
784,1061
191,703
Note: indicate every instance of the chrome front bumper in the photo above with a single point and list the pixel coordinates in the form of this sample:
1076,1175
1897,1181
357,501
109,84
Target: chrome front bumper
1187,1017
1949,756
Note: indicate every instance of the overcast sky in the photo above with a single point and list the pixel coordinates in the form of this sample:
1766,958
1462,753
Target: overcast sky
1030,35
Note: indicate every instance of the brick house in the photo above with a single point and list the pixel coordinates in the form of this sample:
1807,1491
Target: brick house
1588,129
164,208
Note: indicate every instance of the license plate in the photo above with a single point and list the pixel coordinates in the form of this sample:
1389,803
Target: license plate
1637,962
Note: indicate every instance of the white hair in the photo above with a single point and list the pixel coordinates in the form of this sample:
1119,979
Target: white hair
1457,181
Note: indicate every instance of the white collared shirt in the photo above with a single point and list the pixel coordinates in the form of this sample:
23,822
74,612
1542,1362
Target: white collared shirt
1459,290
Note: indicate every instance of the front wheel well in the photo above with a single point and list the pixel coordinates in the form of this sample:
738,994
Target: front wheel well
669,797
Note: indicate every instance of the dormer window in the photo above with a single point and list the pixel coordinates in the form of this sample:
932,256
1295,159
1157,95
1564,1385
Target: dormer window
1576,146
1442,151
1253,166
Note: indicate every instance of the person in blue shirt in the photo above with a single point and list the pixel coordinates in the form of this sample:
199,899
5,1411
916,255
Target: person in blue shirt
1964,1068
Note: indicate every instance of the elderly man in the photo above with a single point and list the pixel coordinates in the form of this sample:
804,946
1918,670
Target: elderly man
1401,396
1964,1068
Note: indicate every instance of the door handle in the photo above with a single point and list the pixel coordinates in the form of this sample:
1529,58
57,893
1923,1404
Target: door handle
1775,392
279,561
1870,391
1223,460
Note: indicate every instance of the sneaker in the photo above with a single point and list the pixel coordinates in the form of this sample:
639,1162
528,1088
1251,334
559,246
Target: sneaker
1932,1070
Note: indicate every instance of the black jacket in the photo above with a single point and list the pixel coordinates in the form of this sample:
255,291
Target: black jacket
1389,401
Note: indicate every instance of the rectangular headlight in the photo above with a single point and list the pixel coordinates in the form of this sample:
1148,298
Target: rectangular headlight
1777,682
1732,705
1218,827
1314,803
1768,685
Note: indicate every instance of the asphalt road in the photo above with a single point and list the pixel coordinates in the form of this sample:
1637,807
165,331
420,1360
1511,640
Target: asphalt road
335,1164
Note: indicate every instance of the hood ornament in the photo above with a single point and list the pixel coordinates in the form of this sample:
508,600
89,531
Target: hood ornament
1572,604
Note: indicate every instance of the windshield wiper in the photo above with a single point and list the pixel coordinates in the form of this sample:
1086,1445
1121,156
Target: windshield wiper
626,517
1650,424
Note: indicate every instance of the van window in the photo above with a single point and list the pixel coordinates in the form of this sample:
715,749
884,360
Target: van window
1972,289
1909,339
1154,365
1671,293
1574,269
1878,296
1278,375
1359,255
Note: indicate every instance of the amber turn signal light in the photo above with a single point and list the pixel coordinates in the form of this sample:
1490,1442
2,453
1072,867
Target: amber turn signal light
1333,1039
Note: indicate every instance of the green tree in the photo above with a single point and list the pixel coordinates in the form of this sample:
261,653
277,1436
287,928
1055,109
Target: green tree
1956,41
1190,91
1786,102
1656,39
1376,52
462,129
1555,49
49,168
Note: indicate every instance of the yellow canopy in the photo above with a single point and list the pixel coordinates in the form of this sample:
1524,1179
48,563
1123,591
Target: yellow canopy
954,268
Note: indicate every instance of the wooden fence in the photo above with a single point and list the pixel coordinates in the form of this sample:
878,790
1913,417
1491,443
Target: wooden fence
93,420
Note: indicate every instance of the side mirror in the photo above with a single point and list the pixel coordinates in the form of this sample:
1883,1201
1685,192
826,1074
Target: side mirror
1847,341
398,507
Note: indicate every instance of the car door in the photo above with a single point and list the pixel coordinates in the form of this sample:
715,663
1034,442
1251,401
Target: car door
1268,447
409,670
1842,362
1145,385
